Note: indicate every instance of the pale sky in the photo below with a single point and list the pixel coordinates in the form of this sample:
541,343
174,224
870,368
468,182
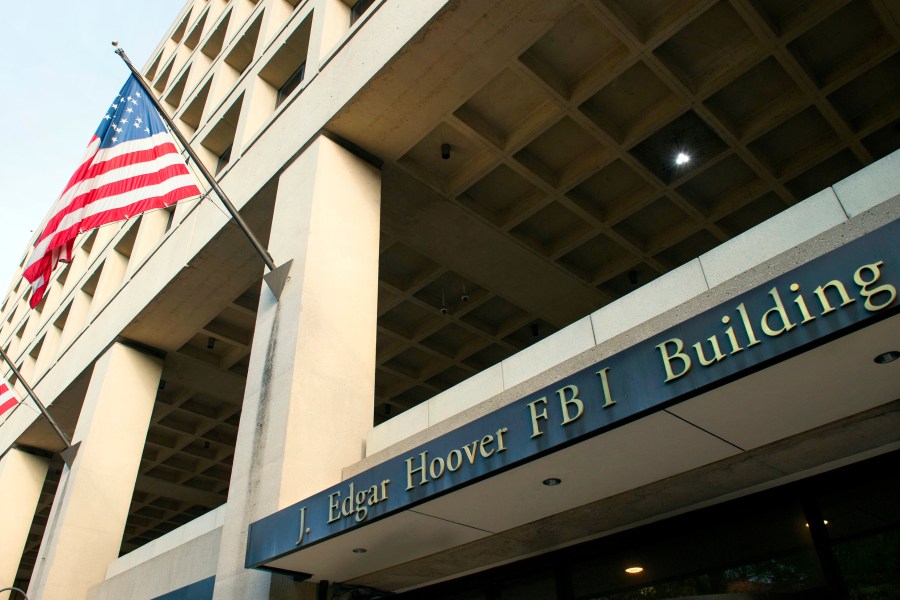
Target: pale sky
57,77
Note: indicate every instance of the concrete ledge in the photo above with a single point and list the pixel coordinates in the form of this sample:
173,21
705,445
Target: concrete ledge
468,393
187,532
770,238
877,183
562,345
403,425
658,296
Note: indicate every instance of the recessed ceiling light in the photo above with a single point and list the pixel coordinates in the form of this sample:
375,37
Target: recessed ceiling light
552,481
682,159
634,570
887,357
359,551
824,522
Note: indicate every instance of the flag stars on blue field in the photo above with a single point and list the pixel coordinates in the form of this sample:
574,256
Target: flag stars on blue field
128,108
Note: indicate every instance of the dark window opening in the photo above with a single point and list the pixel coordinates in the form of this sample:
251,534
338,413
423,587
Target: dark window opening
291,84
759,546
224,159
358,9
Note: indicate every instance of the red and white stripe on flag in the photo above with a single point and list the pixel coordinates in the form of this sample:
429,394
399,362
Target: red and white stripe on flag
8,398
131,166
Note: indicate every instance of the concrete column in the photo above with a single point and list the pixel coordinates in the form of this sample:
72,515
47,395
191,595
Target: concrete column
150,230
84,530
309,397
112,272
21,479
329,27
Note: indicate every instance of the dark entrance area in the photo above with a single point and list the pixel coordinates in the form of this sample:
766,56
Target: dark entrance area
835,535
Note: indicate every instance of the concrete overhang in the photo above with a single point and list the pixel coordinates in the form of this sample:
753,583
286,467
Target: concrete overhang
800,402
826,407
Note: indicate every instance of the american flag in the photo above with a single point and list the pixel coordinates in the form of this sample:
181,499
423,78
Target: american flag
131,165
8,399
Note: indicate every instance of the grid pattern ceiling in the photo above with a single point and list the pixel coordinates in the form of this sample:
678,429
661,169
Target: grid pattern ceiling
186,464
568,151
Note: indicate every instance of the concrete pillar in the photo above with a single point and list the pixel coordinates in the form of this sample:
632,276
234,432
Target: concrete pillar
112,272
21,479
84,530
328,29
151,229
308,401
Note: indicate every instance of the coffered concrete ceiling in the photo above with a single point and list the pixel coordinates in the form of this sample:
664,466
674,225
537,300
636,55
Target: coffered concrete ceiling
564,119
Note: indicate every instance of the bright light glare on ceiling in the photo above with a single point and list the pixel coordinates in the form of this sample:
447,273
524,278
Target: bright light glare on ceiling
634,570
682,159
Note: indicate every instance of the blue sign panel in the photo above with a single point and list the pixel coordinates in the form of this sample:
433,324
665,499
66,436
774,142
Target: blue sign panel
846,289
201,590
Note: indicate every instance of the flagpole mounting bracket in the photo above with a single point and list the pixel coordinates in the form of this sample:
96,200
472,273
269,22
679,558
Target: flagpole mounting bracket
68,455
277,278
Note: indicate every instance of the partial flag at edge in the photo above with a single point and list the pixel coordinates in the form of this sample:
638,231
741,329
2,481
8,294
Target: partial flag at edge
8,398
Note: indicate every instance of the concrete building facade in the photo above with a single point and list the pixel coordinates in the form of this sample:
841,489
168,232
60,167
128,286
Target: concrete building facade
575,287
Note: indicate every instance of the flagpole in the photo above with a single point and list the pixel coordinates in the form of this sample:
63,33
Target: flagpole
277,276
69,453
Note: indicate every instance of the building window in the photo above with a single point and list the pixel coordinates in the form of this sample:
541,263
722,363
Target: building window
224,159
358,9
291,84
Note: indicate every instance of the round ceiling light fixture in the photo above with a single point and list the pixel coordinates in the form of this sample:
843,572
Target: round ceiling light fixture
634,570
887,357
552,481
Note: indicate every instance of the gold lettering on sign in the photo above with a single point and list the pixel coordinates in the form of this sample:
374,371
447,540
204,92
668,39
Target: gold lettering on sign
455,455
717,352
565,404
303,528
867,293
732,338
604,381
823,298
535,415
419,467
501,447
801,304
775,321
356,503
675,354
778,311
485,442
436,468
748,326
